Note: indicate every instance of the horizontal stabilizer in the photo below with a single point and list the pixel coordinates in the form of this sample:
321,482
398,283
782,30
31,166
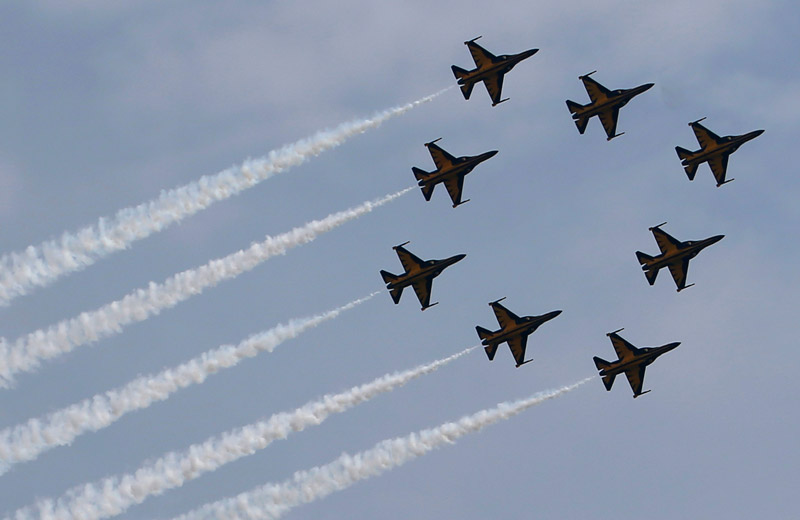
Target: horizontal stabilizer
396,293
690,168
458,72
601,363
491,350
580,122
573,106
644,259
461,74
683,153
419,173
427,190
483,333
651,276
389,277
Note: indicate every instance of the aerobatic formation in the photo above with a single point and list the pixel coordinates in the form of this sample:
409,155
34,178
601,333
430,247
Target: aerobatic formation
605,104
24,442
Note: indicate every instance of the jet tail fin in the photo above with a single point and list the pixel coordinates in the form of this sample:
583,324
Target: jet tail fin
608,379
389,277
483,333
395,292
427,190
573,106
601,363
580,122
490,349
647,260
684,154
461,74
419,173
643,258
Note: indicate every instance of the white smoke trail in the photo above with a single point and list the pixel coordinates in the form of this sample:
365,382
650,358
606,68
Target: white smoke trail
114,495
273,500
40,265
25,354
27,441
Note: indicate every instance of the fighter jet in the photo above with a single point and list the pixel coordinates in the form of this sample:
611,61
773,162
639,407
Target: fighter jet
513,330
714,150
674,254
633,361
449,170
489,68
605,104
418,274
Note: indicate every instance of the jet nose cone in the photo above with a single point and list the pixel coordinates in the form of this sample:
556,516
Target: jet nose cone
647,86
456,258
671,346
715,239
551,315
753,135
488,155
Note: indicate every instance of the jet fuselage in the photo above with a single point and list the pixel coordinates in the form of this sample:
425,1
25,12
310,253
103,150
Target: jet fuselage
429,269
528,326
643,357
505,63
462,166
688,249
618,99
730,144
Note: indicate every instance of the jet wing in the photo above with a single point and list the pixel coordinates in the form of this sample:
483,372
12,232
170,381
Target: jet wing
609,120
595,90
441,158
666,242
517,345
635,377
623,349
409,260
705,136
719,166
495,87
678,271
482,57
423,290
454,186
505,317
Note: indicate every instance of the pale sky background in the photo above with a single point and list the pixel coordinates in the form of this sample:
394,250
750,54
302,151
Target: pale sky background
103,105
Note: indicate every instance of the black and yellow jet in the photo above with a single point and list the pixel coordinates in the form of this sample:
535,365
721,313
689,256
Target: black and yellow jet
605,105
674,254
488,68
449,170
632,361
513,330
714,150
418,273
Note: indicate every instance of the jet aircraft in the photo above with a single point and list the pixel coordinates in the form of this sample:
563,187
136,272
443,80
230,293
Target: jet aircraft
605,104
632,361
418,273
674,254
449,170
489,68
714,150
513,330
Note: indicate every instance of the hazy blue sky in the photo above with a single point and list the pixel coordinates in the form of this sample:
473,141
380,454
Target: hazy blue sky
103,105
